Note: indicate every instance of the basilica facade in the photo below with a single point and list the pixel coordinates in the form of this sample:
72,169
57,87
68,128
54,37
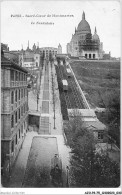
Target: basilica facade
83,44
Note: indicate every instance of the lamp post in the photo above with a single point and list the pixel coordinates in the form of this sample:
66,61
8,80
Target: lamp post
37,100
67,184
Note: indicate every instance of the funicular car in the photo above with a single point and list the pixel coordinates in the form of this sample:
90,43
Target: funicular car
69,73
65,85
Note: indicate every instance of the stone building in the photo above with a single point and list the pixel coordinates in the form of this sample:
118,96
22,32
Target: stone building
30,58
14,111
47,51
83,44
4,47
59,49
91,122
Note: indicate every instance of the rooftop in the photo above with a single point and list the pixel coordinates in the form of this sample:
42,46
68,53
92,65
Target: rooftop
95,125
8,63
82,112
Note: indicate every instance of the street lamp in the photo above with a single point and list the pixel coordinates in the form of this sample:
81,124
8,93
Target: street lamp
67,184
37,100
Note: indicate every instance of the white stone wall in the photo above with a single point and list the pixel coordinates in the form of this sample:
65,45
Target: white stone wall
29,64
48,49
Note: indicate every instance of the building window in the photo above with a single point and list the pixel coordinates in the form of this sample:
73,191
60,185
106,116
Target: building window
16,117
12,75
26,106
89,55
19,94
22,111
23,108
19,76
12,146
19,113
86,55
16,139
12,97
21,129
12,121
36,64
19,133
22,76
16,76
24,92
16,96
94,56
100,135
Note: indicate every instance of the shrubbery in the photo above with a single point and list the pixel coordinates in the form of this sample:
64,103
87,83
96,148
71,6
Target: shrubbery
87,167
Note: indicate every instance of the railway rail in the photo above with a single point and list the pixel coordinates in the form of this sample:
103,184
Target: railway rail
72,98
68,103
76,93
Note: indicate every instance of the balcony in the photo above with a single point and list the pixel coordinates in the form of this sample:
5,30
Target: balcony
18,83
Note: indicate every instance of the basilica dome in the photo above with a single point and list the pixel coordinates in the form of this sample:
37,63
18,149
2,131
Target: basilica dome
84,25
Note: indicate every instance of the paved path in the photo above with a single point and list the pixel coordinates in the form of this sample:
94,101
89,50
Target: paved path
38,167
44,127
21,162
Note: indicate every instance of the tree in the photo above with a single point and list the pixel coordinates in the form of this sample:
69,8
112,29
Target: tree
112,114
93,170
88,168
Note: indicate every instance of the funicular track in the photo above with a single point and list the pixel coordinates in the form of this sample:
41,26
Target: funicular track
72,97
66,96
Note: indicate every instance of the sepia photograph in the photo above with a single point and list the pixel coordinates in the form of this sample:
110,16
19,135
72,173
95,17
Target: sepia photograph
60,97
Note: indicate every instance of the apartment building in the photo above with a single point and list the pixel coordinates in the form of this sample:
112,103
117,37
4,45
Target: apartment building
14,111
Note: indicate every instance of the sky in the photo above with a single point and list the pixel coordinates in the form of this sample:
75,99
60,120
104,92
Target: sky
16,31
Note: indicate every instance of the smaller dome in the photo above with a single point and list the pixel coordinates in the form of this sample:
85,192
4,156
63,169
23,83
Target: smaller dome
95,36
